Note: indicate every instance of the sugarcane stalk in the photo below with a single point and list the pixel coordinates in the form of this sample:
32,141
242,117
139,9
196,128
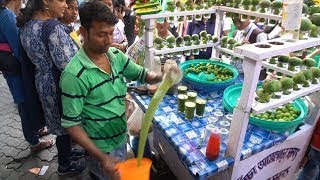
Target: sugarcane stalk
171,77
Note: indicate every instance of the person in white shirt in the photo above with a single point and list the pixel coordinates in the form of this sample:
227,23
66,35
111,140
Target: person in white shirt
118,33
248,32
119,37
226,26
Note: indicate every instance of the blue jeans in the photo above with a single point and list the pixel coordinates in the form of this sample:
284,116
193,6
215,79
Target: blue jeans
134,142
29,132
64,147
94,165
311,169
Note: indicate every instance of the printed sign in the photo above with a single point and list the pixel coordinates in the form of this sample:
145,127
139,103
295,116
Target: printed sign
281,175
279,162
277,156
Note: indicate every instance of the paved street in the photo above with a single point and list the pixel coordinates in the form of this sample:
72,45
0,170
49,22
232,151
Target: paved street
15,156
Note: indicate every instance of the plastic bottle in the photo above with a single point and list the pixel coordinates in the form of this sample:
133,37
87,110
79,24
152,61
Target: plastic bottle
213,146
157,64
291,15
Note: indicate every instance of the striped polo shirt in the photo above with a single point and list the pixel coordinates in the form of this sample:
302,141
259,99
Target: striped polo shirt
93,98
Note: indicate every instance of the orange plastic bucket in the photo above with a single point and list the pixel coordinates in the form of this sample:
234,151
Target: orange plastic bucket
129,169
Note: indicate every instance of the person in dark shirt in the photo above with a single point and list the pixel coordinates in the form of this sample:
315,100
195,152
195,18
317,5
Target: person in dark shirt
31,119
195,27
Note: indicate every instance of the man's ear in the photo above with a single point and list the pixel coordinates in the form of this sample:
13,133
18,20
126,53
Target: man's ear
17,5
83,32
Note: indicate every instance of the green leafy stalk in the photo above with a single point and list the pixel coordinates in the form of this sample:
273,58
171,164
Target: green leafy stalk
170,78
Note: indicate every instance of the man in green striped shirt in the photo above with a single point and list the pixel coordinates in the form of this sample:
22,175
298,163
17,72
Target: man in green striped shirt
93,91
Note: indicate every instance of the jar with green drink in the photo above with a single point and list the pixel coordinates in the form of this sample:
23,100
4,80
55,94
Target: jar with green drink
192,96
182,89
189,110
182,98
200,106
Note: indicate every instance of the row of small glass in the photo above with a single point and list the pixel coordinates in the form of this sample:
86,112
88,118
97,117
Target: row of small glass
215,132
219,121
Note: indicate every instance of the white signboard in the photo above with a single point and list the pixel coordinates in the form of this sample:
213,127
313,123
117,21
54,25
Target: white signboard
278,162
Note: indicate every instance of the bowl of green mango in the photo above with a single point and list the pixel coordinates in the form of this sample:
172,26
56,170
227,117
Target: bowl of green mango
283,119
208,75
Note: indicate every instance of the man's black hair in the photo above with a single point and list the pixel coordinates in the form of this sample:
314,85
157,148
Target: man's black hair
70,1
95,11
119,3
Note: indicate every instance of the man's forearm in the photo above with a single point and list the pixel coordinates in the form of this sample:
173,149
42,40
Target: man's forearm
81,138
153,77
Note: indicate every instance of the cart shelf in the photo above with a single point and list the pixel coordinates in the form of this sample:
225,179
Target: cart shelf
210,11
256,53
278,69
250,13
178,13
229,51
184,48
262,107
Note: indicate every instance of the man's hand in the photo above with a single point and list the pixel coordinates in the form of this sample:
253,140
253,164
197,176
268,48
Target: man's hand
245,42
108,166
153,77
121,47
171,68
271,77
107,162
191,57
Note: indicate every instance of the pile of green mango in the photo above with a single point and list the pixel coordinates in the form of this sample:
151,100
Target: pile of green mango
220,73
281,114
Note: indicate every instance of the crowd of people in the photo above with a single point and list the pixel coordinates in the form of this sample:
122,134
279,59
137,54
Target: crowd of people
61,78
72,82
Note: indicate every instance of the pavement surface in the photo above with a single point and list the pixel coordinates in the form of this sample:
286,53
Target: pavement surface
16,158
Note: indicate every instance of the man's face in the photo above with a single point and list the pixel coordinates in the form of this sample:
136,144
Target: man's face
99,37
162,27
237,22
17,6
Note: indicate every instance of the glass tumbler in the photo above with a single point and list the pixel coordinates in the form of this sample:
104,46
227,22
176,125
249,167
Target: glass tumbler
212,120
224,124
218,115
224,133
